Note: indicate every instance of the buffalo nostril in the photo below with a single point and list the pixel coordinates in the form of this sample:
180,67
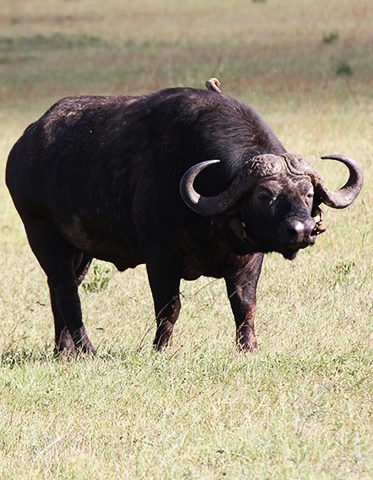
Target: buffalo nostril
310,225
295,229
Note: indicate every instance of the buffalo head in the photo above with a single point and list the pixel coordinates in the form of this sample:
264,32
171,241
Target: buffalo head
272,204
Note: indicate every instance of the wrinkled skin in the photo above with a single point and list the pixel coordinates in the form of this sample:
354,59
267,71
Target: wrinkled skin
277,216
98,177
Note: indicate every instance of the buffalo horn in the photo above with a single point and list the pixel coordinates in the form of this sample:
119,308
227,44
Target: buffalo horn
343,197
210,206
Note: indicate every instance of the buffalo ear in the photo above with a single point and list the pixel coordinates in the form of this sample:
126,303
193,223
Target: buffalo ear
238,228
317,201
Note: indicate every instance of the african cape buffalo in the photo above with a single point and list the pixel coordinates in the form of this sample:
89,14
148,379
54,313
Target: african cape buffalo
190,182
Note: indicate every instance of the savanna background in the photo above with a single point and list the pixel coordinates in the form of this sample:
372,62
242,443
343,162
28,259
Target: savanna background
298,408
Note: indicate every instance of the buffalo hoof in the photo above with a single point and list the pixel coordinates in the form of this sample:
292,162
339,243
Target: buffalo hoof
68,344
81,341
248,344
163,336
86,347
64,344
161,345
65,352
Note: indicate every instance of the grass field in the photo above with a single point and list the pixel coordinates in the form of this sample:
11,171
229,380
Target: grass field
301,406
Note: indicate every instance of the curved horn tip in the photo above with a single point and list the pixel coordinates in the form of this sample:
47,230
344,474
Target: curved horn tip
344,159
349,162
334,157
206,206
348,193
211,162
187,180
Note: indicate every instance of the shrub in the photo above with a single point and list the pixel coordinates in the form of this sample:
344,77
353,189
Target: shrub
330,37
99,279
344,68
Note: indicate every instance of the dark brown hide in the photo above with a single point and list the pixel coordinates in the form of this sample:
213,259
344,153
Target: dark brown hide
98,177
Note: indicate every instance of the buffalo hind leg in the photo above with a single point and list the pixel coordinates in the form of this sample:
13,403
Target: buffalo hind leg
164,282
63,340
241,289
58,260
66,297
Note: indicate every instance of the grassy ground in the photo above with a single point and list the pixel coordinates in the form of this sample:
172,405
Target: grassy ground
300,407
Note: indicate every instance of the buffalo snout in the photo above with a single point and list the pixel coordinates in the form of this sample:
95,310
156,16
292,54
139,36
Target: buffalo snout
298,232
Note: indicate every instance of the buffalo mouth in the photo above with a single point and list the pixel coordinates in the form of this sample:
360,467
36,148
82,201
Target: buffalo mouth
290,254
290,251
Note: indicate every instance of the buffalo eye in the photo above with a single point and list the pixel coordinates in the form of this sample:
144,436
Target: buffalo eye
309,197
265,196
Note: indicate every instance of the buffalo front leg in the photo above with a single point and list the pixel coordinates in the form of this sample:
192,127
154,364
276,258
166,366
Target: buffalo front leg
241,289
164,283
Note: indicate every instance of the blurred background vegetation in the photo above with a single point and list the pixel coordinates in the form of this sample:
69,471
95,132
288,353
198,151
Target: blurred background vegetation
301,50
